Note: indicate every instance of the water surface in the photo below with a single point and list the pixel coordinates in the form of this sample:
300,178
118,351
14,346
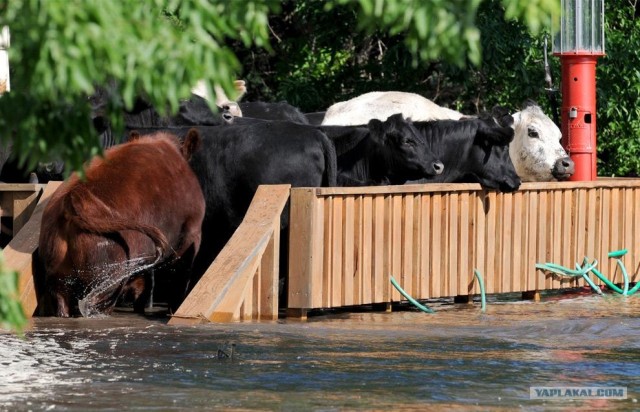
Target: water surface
457,358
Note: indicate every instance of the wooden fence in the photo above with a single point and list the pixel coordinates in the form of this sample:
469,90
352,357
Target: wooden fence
347,242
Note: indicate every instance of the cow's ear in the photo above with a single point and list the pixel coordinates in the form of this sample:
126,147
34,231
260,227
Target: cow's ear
376,130
529,103
494,135
134,135
502,116
190,143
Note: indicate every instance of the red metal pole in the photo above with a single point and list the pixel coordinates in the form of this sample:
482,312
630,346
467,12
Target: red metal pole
579,112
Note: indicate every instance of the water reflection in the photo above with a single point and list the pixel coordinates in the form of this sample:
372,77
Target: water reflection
455,358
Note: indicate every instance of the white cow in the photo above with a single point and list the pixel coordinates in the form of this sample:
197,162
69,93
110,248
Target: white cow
221,98
536,151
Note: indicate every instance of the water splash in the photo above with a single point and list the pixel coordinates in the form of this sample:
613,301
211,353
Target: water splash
109,276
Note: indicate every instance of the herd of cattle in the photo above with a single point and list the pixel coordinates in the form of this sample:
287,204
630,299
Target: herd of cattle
156,210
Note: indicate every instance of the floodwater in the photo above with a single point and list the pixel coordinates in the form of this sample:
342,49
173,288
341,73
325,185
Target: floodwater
457,358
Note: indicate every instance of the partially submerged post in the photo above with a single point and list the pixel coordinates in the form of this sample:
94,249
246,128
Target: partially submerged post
579,44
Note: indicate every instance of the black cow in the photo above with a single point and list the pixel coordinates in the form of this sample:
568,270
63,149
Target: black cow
272,111
315,118
194,111
473,150
234,160
382,153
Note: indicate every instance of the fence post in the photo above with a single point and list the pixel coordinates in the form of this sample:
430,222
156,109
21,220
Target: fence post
305,250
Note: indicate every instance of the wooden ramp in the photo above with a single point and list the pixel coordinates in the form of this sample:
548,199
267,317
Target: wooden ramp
18,254
242,282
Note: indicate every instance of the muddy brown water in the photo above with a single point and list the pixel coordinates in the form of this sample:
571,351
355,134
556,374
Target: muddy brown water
457,358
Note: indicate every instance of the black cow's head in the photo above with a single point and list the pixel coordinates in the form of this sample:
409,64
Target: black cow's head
489,157
405,149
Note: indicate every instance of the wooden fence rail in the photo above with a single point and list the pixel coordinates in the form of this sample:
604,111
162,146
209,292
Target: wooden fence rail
347,242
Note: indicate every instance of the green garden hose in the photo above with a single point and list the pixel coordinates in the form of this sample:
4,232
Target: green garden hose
409,298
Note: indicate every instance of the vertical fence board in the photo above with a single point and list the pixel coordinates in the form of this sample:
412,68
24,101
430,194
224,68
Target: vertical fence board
517,271
379,228
426,234
366,268
336,275
451,279
348,253
437,245
465,252
532,246
479,243
491,246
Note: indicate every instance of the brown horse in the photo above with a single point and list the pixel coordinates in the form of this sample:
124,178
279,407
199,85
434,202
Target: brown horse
139,207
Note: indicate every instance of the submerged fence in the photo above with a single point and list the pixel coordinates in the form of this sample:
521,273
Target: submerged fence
346,243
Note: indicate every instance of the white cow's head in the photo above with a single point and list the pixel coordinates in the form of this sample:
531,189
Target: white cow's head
536,151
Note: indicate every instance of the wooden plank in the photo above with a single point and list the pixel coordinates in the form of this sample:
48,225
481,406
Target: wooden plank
580,232
416,246
18,254
425,245
218,295
592,230
615,243
357,250
505,269
480,229
406,245
386,246
336,275
327,260
453,255
465,250
534,276
605,238
268,278
379,258
24,203
491,245
555,240
348,255
395,245
21,187
517,271
461,187
302,254
437,245
367,262
543,251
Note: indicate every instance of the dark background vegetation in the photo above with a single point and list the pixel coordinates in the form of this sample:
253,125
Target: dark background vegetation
319,57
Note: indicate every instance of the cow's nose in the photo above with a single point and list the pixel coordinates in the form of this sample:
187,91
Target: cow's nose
438,167
563,168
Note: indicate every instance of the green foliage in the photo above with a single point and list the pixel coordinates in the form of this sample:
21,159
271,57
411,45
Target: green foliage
618,94
11,314
433,29
157,48
329,59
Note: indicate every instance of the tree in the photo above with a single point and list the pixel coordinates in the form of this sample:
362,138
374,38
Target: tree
159,49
